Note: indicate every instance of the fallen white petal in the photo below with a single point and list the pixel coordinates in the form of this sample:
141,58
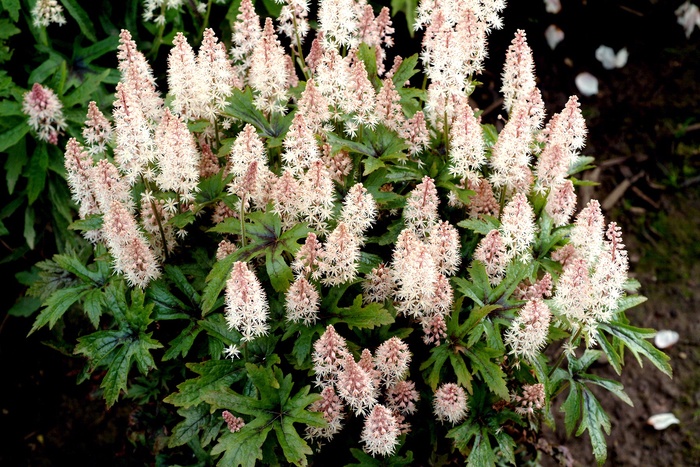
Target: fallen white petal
665,338
552,6
554,36
621,57
661,421
587,84
606,56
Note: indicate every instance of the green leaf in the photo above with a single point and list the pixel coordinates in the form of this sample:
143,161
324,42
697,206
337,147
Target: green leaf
407,68
16,159
480,226
475,317
57,304
12,7
635,340
92,304
12,136
464,378
278,270
80,17
362,317
572,408
176,275
182,343
93,222
115,381
214,376
85,92
29,231
196,418
36,172
24,307
596,422
241,107
491,372
438,357
482,452
610,352
293,446
216,280
372,164
614,387
244,447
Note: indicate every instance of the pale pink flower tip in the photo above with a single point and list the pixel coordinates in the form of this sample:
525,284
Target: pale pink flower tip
44,110
392,359
303,302
246,303
402,396
533,399
528,332
234,423
329,351
380,433
332,409
450,403
356,387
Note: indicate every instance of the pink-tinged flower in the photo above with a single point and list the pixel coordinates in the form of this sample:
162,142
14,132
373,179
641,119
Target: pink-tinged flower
567,129
329,352
185,83
415,132
224,249
587,234
333,411
527,334
420,212
137,77
177,159
246,303
540,289
359,210
97,130
44,110
338,20
518,226
392,359
154,217
366,362
285,194
316,206
302,302
313,59
247,147
217,74
444,240
46,12
339,164
434,329
355,386
78,165
378,285
416,275
314,106
552,168
450,403
552,6
268,74
565,254
609,276
300,146
340,256
363,91
402,396
572,297
467,148
518,72
333,78
491,251
128,246
107,186
233,423
510,158
483,203
388,108
561,203
246,34
380,432
135,146
209,163
376,32
293,20
533,399
307,258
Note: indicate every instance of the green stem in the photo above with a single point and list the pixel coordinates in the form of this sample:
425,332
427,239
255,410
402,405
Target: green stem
563,353
242,215
158,220
158,40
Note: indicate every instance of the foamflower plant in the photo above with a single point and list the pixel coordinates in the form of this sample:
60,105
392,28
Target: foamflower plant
312,256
